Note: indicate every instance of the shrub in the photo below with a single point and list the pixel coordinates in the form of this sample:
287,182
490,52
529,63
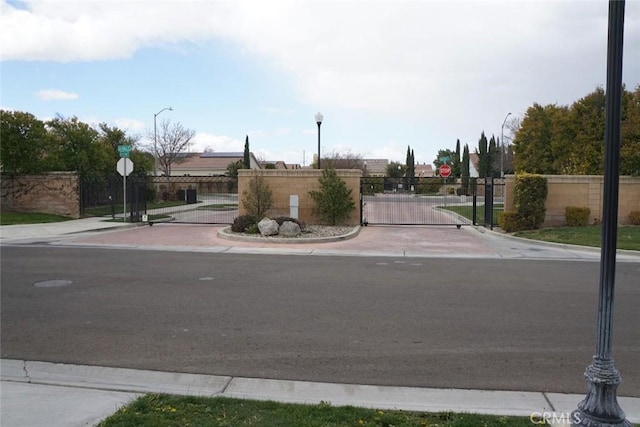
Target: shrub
333,201
634,217
577,216
258,198
530,194
429,186
508,221
243,222
461,191
451,190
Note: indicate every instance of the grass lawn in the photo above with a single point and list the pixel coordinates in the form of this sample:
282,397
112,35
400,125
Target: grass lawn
467,212
218,207
628,235
165,410
13,218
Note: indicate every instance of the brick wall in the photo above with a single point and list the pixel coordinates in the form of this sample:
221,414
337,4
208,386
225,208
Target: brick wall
284,183
581,191
55,193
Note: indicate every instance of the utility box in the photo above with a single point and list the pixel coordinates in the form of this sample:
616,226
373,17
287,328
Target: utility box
293,205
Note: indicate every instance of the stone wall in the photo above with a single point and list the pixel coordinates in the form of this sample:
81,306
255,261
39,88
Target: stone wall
285,183
55,193
581,191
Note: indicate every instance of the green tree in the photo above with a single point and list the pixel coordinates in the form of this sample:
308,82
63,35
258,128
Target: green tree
333,201
410,163
23,146
76,146
395,170
444,156
630,133
533,142
246,161
494,158
232,168
457,167
258,198
465,170
484,161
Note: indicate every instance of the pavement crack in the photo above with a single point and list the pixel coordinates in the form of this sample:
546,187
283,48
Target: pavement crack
549,402
26,371
226,386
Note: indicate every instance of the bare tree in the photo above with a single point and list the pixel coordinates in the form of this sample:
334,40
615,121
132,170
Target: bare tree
172,140
348,160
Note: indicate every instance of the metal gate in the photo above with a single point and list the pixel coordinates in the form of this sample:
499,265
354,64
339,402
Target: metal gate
427,201
206,200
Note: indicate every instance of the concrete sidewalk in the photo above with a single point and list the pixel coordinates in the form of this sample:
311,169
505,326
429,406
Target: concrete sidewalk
40,393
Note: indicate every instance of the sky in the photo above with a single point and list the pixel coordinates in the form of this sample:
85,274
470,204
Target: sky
385,74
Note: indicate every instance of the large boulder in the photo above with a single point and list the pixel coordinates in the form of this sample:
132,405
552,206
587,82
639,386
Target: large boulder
268,227
290,229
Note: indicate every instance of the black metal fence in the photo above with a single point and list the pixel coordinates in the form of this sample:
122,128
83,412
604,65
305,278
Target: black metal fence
105,195
206,200
430,201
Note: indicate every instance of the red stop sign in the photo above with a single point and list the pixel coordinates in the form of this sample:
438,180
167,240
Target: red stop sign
445,171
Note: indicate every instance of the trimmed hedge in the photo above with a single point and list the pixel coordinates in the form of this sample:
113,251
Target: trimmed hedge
530,194
577,216
508,221
634,217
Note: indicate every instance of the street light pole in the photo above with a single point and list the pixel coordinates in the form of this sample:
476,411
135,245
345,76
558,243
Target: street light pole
319,122
600,406
502,146
155,142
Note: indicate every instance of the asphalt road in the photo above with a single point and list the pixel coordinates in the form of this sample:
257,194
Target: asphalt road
487,324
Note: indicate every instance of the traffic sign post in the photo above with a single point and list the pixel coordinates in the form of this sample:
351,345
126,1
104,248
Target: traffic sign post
124,168
445,171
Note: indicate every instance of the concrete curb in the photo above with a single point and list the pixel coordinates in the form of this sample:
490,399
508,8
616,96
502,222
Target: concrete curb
134,382
226,234
556,245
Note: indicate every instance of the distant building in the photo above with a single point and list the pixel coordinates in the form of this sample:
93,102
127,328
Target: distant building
277,164
209,163
424,170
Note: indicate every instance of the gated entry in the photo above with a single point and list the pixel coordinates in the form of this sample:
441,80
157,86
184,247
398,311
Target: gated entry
197,200
426,201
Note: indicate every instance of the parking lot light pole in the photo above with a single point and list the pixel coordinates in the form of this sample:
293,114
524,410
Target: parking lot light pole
155,142
502,146
319,122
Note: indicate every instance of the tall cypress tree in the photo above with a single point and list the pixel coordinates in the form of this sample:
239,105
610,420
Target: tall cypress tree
457,169
246,162
483,157
466,170
493,155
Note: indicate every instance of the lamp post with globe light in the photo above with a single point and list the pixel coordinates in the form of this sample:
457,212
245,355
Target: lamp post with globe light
319,122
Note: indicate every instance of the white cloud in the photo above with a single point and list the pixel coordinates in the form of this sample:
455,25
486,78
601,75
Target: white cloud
130,124
56,95
217,143
455,66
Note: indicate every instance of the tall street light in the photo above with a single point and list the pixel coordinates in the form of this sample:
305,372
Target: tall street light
600,407
502,146
155,142
319,122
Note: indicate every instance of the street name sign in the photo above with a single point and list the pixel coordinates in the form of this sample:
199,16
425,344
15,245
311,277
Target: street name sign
124,150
